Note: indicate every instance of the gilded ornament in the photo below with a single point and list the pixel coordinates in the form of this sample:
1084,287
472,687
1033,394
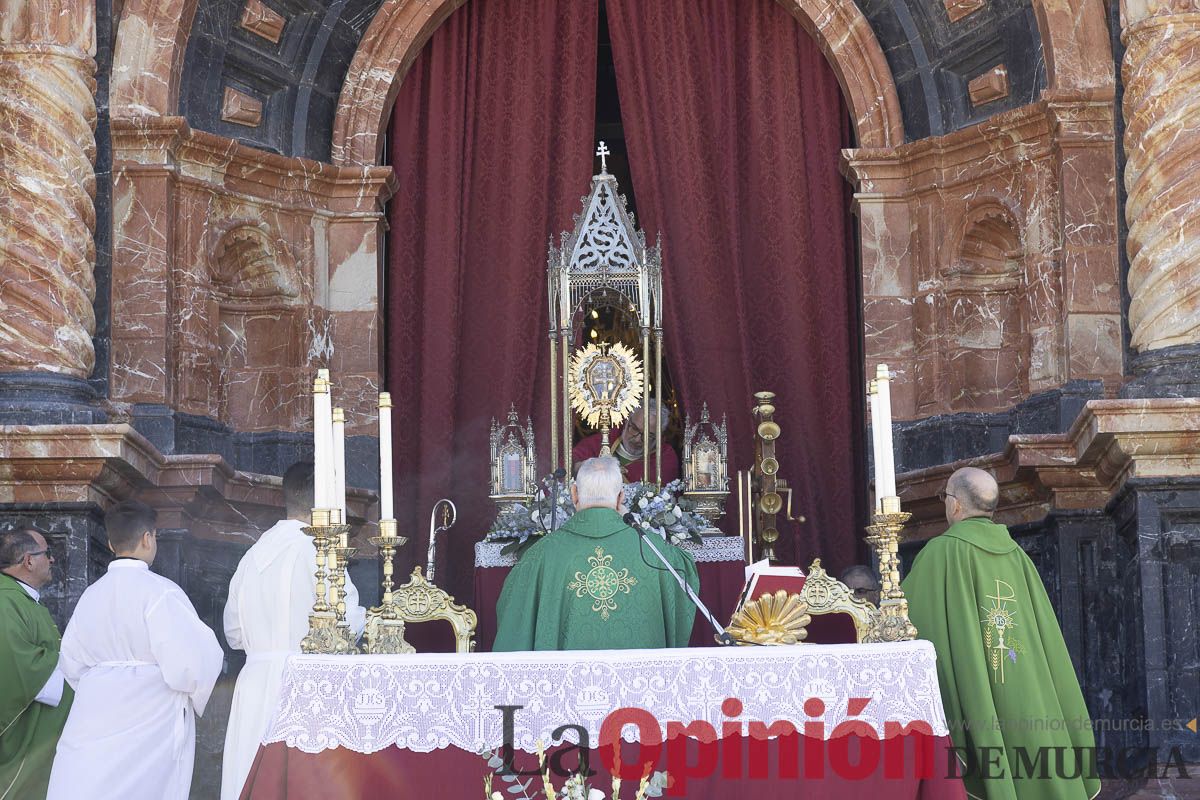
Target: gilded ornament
605,378
779,618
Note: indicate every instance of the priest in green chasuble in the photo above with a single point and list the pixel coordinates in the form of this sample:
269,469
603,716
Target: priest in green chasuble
594,584
34,698
1010,692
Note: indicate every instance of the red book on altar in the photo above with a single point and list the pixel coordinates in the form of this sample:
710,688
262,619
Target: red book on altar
762,578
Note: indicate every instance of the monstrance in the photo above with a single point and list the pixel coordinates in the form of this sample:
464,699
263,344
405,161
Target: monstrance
606,386
604,262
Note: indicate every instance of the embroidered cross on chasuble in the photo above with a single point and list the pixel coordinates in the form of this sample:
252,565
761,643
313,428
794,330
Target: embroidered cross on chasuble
594,585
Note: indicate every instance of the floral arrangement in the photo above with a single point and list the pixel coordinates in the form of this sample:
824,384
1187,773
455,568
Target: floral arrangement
524,523
575,787
663,510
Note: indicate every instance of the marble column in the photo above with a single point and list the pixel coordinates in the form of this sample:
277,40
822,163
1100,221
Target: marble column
47,186
1161,69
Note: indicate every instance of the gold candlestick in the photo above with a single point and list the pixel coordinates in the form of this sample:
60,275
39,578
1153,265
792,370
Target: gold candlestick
893,624
324,633
385,629
343,555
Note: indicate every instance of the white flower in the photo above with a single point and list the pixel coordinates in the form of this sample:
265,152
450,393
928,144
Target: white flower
678,512
642,503
536,516
595,794
497,796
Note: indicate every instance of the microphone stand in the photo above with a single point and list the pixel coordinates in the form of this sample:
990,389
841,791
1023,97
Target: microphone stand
559,474
723,636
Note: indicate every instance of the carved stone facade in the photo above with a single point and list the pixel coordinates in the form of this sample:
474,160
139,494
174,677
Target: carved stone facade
1162,41
990,258
47,220
237,274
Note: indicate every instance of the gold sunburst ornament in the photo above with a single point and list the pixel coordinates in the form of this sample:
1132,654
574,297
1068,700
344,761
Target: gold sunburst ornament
606,386
779,618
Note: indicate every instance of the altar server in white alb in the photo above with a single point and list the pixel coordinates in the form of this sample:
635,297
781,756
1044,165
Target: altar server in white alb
270,597
142,665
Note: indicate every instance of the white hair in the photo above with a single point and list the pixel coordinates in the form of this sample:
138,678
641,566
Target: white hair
599,482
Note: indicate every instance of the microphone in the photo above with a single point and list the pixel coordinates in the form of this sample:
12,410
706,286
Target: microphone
722,635
559,474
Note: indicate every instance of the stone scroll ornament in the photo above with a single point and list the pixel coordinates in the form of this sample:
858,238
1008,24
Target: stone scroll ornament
47,187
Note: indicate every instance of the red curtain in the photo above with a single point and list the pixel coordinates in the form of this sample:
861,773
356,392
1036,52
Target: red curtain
491,141
733,123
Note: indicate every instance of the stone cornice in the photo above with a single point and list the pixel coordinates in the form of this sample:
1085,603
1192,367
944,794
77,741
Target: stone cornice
1111,442
103,464
150,143
1003,142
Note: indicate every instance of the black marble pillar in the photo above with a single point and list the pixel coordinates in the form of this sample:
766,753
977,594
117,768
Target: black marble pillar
75,534
1158,569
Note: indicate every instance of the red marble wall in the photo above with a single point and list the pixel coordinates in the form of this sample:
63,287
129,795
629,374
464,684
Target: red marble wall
990,258
237,274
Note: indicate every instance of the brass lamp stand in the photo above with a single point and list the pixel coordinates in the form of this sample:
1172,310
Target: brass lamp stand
893,624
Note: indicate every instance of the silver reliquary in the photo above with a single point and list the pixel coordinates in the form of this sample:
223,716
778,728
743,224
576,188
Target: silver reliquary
514,464
706,466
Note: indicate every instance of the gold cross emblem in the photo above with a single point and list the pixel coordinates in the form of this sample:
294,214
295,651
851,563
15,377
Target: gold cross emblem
998,622
602,583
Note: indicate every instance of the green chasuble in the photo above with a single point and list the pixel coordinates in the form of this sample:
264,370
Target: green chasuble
29,730
591,585
1006,678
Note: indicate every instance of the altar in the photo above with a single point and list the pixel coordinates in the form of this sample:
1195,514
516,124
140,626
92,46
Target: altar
812,721
719,561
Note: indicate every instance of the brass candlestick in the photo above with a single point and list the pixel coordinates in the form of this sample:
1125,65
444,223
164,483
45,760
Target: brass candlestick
343,554
893,624
385,628
324,631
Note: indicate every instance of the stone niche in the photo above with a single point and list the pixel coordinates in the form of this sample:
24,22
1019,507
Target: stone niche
261,338
986,358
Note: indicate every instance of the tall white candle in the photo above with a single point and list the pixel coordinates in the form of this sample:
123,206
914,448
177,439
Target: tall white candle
883,383
322,441
385,456
339,461
876,442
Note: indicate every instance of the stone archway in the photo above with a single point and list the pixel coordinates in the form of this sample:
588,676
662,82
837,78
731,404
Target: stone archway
1075,44
148,57
402,27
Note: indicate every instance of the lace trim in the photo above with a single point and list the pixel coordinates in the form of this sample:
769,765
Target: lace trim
431,701
714,548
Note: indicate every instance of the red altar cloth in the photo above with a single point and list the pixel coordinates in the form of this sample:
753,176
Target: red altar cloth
281,773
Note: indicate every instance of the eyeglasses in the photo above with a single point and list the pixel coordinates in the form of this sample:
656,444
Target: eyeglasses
37,553
943,494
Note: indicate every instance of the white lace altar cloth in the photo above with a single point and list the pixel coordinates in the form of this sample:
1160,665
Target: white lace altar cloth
713,548
430,701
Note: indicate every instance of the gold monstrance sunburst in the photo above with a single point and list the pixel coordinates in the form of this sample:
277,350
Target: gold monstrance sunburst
606,386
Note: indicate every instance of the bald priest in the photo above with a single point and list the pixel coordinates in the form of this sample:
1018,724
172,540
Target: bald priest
594,584
1009,689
